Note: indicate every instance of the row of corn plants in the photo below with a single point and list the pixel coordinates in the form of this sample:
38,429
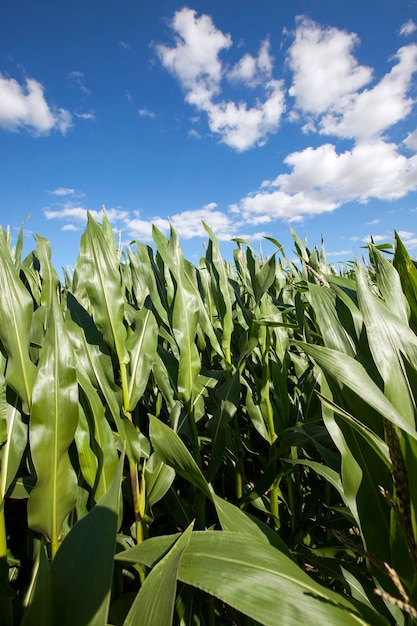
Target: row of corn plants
228,443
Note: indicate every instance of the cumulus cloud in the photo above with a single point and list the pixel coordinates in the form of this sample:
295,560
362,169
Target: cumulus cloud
253,71
373,111
195,62
321,180
24,106
333,95
324,68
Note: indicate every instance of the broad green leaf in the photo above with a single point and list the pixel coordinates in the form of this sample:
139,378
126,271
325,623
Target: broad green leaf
158,479
152,278
83,567
220,290
185,317
408,277
390,339
326,309
353,375
50,279
11,452
97,269
264,277
252,576
229,395
39,609
16,310
233,519
96,361
94,438
389,284
53,422
141,345
151,607
172,451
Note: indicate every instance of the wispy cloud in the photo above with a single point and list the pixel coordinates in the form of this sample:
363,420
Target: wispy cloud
144,112
76,79
86,116
408,28
66,191
24,106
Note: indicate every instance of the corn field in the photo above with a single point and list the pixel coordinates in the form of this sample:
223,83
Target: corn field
221,444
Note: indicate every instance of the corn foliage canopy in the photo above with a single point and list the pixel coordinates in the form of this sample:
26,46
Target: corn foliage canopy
227,443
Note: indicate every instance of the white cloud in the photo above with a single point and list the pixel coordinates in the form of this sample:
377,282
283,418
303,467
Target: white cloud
188,224
339,253
71,213
86,116
324,69
70,227
321,180
63,191
405,234
411,141
408,238
372,111
376,238
26,107
408,28
146,113
195,62
253,71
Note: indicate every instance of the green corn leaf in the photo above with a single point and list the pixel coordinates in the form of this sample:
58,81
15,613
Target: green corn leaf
94,438
408,277
151,608
16,311
390,340
50,279
229,395
39,610
172,451
264,277
326,309
389,284
141,345
158,479
256,579
97,270
53,422
353,375
82,570
14,445
220,290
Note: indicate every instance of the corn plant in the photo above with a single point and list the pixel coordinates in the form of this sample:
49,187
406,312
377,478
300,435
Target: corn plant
211,444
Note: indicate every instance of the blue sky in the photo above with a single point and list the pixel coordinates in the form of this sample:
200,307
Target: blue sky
252,116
